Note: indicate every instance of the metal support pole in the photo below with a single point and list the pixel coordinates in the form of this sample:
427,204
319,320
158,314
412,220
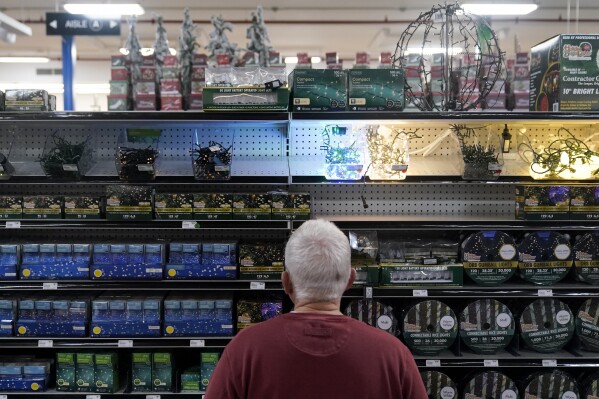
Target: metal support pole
69,58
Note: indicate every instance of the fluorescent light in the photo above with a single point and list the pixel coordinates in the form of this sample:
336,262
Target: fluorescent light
290,60
146,51
24,60
500,9
105,10
315,60
433,50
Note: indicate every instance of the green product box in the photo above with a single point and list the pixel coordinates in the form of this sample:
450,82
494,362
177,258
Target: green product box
237,98
542,202
367,271
190,380
291,206
252,206
11,207
173,206
209,361
65,372
584,202
141,372
42,207
408,275
261,261
162,372
107,373
85,372
128,202
318,90
564,74
81,207
119,87
375,89
212,206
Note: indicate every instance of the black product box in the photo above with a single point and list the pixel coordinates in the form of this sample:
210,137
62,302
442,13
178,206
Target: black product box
126,202
252,206
542,202
564,74
42,207
375,89
26,100
82,207
212,206
11,207
261,261
318,90
584,202
291,206
173,206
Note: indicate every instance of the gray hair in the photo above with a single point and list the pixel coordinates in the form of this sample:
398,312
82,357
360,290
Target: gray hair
318,260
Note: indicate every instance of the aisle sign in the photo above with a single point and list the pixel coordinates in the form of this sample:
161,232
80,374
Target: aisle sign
62,23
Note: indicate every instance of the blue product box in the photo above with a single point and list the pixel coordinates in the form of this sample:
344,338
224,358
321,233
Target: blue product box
51,261
13,378
51,328
7,317
118,254
37,318
31,254
101,254
127,261
154,254
140,271
9,255
81,255
47,253
64,253
191,254
207,260
197,317
125,317
135,253
8,272
57,271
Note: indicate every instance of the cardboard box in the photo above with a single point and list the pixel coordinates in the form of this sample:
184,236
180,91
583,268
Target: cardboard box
145,102
106,373
148,74
375,90
291,206
261,261
118,61
118,102
162,372
318,90
252,206
128,202
563,74
85,372
584,202
191,380
65,372
173,206
197,317
209,361
246,99
196,102
145,88
11,207
170,73
119,74
81,207
198,73
119,87
148,60
212,206
42,207
408,275
26,100
170,86
542,202
171,103
199,59
141,372
169,61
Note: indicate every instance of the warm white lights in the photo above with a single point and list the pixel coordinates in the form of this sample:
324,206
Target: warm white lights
500,9
146,51
24,60
105,10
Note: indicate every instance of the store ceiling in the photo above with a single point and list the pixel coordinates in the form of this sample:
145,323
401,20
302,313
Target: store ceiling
313,26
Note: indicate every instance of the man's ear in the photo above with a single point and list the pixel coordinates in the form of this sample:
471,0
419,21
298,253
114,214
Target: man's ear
352,278
287,285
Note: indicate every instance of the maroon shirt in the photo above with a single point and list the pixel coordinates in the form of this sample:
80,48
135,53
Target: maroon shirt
303,356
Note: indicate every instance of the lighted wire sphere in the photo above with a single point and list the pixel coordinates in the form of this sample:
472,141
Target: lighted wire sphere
451,60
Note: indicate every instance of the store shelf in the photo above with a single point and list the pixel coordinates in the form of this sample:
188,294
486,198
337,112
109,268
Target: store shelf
119,395
139,285
107,343
145,116
103,224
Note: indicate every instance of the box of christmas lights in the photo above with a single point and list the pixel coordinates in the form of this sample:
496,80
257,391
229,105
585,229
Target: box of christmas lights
26,100
136,155
24,375
126,316
290,206
196,317
82,207
253,311
364,251
252,206
375,90
42,207
208,260
542,202
54,261
318,90
124,202
173,206
52,317
8,315
261,261
584,202
9,259
11,207
212,206
127,261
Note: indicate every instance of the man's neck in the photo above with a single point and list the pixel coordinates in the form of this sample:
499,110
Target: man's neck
331,308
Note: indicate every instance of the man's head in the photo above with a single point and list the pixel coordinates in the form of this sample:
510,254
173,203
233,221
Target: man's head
317,260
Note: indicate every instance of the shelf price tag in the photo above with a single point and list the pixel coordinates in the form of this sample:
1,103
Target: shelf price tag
50,286
70,167
368,292
491,363
125,343
419,292
189,224
545,293
13,224
93,396
145,168
257,285
197,343
433,363
549,363
3,396
45,343
152,396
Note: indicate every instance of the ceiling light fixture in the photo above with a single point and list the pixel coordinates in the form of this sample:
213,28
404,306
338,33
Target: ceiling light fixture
24,60
500,9
105,10
291,60
315,60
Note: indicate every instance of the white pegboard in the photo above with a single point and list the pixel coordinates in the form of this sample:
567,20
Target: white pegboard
464,199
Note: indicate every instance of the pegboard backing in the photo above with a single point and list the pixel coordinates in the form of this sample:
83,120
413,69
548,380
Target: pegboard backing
456,200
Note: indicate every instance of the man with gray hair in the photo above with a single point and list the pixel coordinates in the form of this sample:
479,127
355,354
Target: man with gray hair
315,351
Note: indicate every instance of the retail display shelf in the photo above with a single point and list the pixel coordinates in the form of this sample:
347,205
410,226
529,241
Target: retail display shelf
105,343
449,221
118,395
144,116
103,224
140,285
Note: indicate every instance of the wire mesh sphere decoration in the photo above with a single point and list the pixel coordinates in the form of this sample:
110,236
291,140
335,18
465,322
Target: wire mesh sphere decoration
451,59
